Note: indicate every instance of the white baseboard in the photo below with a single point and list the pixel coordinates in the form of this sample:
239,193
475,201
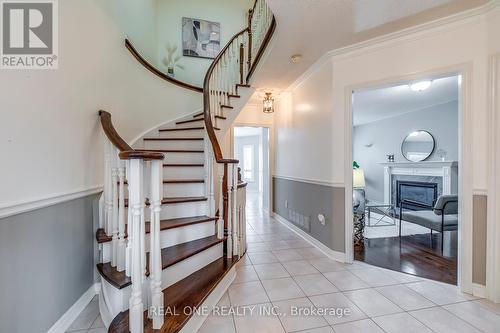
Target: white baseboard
335,255
478,290
69,316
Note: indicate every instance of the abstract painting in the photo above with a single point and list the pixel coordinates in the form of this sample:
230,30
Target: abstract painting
200,38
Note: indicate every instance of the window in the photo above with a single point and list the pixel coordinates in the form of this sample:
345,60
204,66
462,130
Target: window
248,162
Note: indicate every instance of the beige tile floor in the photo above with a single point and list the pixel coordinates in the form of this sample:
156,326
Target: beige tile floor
282,274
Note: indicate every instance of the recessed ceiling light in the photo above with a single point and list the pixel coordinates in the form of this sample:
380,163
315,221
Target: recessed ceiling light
420,86
296,58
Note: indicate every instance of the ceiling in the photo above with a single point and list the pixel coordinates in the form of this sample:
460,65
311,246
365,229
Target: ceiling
313,27
376,104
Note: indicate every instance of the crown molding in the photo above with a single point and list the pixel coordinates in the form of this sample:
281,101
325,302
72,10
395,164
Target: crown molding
404,35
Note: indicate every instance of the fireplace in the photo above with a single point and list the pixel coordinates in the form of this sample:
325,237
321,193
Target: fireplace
424,193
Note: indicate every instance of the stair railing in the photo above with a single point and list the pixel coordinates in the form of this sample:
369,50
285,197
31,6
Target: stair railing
144,175
232,68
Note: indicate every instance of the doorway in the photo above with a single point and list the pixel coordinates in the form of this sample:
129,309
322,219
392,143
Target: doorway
406,151
251,149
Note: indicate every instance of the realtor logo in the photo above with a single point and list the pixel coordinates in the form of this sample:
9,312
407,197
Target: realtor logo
29,34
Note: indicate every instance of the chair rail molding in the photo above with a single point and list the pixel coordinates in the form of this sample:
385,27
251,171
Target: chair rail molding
311,181
15,208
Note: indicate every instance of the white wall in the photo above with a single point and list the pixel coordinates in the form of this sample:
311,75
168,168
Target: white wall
49,128
231,14
304,136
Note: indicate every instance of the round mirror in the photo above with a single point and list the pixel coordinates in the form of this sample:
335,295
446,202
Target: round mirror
417,146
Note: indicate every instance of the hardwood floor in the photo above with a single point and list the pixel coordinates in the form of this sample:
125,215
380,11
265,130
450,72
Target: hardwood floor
418,255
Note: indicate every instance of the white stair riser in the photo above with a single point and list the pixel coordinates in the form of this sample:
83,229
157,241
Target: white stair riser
183,134
198,123
183,172
184,190
171,237
174,144
185,209
187,158
119,297
190,265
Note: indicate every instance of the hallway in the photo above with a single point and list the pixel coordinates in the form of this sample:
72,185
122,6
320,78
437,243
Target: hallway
281,271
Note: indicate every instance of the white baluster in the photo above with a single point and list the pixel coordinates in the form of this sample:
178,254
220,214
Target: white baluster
130,231
121,218
229,184
236,228
114,179
220,222
155,251
136,203
108,188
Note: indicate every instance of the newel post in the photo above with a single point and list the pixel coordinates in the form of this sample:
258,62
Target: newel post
136,204
228,179
121,218
221,229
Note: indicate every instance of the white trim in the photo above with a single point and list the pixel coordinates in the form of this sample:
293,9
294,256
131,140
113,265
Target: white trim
493,221
410,33
465,171
335,255
478,290
143,134
311,181
14,208
69,316
479,191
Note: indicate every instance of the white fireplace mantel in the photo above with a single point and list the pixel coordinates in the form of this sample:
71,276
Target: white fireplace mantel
448,170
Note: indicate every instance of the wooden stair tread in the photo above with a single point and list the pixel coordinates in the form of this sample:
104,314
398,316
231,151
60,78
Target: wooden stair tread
220,117
164,225
189,121
243,85
234,96
199,114
227,106
173,139
183,165
189,292
173,150
169,256
181,129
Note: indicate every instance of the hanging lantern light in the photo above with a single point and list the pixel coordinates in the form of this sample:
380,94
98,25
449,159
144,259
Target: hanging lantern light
268,103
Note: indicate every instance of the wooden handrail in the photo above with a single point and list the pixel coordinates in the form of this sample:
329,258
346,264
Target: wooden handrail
157,72
111,133
206,101
126,152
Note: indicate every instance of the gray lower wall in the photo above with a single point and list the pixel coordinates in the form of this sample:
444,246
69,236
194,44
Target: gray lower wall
309,200
479,232
47,263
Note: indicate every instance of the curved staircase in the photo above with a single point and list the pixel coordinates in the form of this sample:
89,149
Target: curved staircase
172,215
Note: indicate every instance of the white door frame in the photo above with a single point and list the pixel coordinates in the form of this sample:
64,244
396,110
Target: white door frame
493,225
465,175
270,159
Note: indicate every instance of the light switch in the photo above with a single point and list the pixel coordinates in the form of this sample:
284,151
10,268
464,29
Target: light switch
322,219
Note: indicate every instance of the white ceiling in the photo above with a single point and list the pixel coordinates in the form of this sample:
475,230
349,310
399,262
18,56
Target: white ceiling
314,27
375,104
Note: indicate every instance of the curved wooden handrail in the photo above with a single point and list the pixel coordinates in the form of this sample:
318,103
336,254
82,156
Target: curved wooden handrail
157,72
206,102
126,152
143,155
111,133
263,46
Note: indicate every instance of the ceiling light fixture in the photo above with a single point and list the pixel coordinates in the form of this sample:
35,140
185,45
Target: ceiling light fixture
420,86
268,103
296,58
